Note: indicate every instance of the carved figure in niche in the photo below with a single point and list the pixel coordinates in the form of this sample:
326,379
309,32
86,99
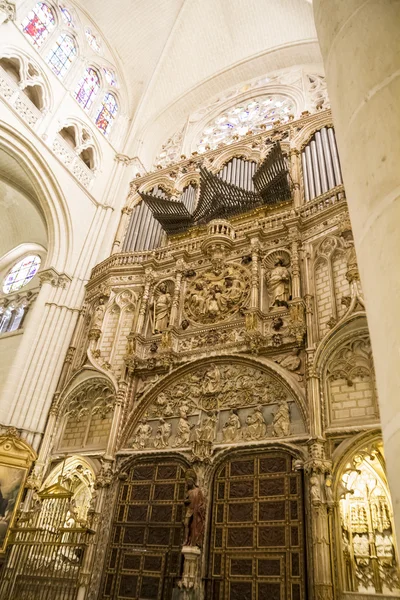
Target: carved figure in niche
315,491
213,301
292,361
256,425
161,307
98,314
163,434
212,381
142,435
231,430
195,512
361,544
183,430
278,283
197,299
206,431
328,489
281,422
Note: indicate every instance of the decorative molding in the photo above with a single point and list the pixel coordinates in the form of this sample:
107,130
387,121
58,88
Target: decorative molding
54,278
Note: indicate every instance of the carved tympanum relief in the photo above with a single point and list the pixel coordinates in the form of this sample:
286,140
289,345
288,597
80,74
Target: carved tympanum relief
216,295
216,404
350,382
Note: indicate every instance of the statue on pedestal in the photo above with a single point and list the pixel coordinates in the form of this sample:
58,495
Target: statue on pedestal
195,512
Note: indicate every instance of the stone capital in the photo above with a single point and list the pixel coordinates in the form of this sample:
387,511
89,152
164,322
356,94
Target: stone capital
54,278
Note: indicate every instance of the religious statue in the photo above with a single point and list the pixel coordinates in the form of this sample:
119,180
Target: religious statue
98,314
197,299
163,434
183,430
212,381
281,422
278,283
206,431
231,429
142,435
161,307
328,489
256,425
195,512
315,491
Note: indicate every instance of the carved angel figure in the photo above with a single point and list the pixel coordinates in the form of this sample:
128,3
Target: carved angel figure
142,435
231,429
161,307
279,284
292,361
281,422
163,434
256,425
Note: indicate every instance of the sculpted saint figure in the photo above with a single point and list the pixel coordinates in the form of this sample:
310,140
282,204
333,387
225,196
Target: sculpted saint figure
163,434
142,435
162,306
231,429
206,431
195,512
98,315
212,381
183,430
281,422
256,425
279,284
197,299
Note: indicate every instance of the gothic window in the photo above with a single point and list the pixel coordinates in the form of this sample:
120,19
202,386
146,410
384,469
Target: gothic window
92,40
39,23
87,88
21,273
62,54
253,115
368,560
67,17
110,76
107,113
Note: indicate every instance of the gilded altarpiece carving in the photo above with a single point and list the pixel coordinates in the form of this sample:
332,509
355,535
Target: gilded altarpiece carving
257,548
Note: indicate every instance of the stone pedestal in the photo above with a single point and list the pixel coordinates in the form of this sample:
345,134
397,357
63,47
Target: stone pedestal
190,585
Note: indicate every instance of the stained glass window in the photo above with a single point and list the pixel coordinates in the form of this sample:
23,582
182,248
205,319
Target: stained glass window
67,17
62,54
92,40
87,88
38,23
247,116
107,113
21,273
110,76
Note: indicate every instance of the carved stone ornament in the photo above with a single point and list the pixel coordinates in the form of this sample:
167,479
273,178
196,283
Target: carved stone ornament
217,295
8,10
54,278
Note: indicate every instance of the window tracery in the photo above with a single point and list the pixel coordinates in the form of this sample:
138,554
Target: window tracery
39,22
110,76
67,17
62,55
107,113
87,88
92,40
252,115
21,273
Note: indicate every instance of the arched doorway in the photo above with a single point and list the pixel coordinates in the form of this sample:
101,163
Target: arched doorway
257,547
147,531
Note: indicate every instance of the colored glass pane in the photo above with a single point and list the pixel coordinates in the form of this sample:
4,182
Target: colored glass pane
253,115
62,54
87,88
110,76
67,17
21,273
38,23
92,41
107,113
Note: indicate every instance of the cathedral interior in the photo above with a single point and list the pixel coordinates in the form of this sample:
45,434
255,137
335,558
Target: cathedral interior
198,352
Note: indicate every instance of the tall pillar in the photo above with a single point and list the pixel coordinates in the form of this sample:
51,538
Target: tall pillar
359,41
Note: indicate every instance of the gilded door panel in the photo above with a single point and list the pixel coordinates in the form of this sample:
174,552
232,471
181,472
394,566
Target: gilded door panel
147,533
257,540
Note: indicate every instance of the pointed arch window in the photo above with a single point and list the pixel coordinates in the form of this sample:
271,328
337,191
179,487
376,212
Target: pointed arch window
107,113
62,54
87,88
38,23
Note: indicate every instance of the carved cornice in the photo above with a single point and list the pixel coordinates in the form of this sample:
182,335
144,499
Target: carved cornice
54,278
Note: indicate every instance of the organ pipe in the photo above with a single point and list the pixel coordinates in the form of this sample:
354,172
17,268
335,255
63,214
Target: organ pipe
317,180
321,162
321,166
335,156
305,177
310,172
328,158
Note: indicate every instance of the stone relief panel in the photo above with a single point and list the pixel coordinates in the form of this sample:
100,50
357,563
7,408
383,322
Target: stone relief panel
217,294
350,382
221,403
87,416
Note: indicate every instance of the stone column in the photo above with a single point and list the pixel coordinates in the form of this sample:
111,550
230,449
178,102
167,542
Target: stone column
148,280
255,274
123,223
359,41
174,316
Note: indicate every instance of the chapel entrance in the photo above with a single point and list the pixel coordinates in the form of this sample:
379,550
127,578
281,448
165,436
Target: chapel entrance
146,538
257,549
